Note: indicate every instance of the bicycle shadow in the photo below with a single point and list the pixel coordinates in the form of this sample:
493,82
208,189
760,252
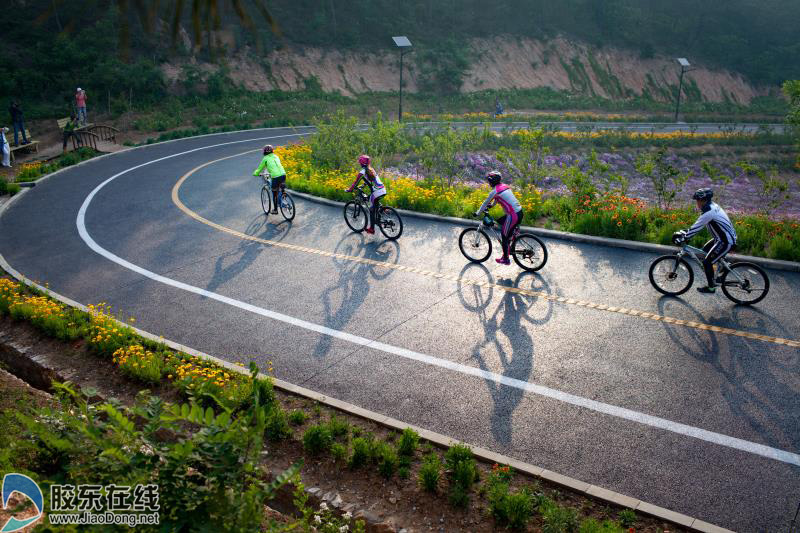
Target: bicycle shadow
758,380
506,333
343,298
248,251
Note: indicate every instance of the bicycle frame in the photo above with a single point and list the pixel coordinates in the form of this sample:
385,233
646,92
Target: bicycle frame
491,229
268,179
698,255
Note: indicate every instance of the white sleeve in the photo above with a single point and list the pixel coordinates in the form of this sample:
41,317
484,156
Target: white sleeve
701,223
488,200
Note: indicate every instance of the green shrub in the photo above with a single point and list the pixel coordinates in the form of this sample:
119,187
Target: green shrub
277,423
456,454
627,518
317,439
338,452
297,417
409,440
590,525
338,427
361,452
404,472
558,519
429,473
387,460
511,509
458,495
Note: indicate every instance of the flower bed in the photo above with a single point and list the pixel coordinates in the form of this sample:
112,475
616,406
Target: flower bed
606,214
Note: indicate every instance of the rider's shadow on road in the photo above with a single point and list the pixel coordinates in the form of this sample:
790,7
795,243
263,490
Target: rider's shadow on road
757,380
234,262
349,289
506,334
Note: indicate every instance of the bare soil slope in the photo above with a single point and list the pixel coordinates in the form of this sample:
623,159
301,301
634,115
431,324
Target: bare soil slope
498,63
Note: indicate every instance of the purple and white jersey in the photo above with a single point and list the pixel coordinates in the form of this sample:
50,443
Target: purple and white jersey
502,195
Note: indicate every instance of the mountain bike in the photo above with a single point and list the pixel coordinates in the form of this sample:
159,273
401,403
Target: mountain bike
742,282
356,216
285,201
528,251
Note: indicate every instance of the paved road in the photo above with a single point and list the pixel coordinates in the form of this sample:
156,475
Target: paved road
704,423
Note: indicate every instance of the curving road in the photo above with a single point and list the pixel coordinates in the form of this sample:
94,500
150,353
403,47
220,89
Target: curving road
563,374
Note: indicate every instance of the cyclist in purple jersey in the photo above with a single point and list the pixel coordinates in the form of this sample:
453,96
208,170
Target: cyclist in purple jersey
501,194
375,185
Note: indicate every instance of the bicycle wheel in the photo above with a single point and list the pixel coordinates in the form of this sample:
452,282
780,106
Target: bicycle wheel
745,283
266,199
671,275
529,252
355,216
475,245
390,223
287,206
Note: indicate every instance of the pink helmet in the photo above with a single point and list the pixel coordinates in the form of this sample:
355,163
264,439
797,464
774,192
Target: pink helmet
363,160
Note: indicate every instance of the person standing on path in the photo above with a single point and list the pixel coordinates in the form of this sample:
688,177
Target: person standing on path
17,122
5,148
80,103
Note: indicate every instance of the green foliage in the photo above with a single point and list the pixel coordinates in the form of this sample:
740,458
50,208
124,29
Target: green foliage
463,471
441,65
317,439
409,441
792,91
557,519
335,144
627,518
438,152
512,509
101,443
361,452
774,191
338,452
338,427
666,179
277,424
32,172
429,472
526,160
386,457
590,525
297,417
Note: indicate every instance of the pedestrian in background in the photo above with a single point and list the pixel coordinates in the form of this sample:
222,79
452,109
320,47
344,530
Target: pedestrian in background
80,104
6,149
69,130
17,122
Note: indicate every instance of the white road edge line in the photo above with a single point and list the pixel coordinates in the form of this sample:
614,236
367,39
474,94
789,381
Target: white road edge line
540,390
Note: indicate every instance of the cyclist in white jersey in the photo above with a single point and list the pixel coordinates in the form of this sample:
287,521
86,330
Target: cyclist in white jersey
375,185
723,235
502,194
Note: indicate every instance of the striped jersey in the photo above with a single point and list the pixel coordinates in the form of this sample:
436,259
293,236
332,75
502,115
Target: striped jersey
717,222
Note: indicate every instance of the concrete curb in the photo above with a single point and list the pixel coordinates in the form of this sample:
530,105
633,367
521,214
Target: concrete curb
774,264
581,487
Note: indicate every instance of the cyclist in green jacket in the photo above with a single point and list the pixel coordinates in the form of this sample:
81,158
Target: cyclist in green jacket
272,163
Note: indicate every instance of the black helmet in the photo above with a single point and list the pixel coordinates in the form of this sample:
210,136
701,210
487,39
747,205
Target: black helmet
703,194
268,149
493,178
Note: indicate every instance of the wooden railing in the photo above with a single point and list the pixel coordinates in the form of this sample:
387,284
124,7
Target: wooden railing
103,132
84,138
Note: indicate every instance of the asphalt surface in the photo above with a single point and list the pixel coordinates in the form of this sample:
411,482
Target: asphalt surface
729,386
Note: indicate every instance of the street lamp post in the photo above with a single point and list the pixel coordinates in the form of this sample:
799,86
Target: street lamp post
402,43
685,67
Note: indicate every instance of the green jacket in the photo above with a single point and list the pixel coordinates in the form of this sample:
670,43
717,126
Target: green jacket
273,165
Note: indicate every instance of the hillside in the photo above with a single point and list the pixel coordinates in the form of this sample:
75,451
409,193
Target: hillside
496,63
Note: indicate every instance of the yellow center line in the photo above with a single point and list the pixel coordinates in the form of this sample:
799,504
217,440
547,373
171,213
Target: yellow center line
458,279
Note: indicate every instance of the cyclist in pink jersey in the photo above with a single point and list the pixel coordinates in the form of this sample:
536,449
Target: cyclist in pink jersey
501,194
375,185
